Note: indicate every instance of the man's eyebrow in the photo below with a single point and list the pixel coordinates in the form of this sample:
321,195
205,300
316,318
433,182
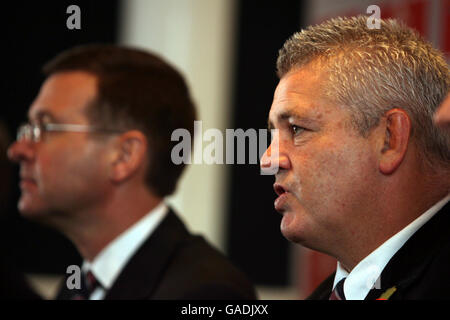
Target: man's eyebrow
291,115
40,115
281,117
286,115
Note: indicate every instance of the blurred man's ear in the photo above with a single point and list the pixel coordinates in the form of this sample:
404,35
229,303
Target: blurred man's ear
130,155
396,137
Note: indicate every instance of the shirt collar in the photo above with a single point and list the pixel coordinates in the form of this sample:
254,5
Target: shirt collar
108,264
365,275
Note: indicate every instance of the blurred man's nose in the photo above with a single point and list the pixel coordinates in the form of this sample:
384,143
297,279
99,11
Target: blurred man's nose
20,151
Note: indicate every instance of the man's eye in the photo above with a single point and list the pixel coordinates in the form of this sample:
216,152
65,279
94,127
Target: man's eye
296,129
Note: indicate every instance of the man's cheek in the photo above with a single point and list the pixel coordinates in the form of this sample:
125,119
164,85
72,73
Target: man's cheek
49,171
328,173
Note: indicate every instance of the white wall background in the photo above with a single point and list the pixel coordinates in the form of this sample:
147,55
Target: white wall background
196,36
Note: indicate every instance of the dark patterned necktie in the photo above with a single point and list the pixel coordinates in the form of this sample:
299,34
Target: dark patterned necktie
88,284
338,292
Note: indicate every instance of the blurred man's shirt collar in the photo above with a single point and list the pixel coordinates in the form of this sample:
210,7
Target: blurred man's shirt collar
108,264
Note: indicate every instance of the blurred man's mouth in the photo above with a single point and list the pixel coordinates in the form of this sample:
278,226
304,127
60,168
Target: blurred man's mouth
27,183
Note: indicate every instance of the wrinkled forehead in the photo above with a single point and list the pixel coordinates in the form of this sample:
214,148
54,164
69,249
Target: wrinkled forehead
64,97
299,95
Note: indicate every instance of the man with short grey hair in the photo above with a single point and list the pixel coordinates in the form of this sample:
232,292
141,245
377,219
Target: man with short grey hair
364,173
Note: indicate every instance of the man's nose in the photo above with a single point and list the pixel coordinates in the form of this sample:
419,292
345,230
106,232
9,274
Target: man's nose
272,160
20,151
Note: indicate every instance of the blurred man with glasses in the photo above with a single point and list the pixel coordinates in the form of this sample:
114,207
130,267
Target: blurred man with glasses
95,163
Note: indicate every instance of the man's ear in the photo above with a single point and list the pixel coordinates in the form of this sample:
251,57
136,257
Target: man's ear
129,156
396,137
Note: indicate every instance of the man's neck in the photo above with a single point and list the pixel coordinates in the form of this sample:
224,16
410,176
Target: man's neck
398,214
91,231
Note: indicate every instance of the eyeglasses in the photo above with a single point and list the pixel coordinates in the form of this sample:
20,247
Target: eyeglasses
33,132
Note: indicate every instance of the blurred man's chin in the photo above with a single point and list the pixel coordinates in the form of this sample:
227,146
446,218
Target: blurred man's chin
30,209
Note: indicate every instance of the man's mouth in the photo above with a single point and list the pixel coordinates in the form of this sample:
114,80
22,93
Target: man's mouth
279,189
27,182
282,193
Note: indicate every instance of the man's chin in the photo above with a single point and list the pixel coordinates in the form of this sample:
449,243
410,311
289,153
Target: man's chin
286,226
31,209
290,227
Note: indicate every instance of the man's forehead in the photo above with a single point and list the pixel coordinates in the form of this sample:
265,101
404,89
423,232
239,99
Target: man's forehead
290,84
297,107
299,97
62,95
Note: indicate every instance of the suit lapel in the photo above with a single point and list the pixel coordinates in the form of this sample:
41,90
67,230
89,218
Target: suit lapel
410,261
408,264
141,274
323,291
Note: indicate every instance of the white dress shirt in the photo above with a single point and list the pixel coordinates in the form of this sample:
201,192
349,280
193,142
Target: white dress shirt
365,275
108,264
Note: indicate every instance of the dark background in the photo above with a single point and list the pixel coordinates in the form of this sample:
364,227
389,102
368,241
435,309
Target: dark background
255,242
36,31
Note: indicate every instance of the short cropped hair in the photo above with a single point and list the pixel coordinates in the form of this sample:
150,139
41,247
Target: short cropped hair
136,90
370,71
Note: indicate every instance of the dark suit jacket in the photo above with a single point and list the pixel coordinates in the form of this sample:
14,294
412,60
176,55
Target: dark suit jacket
173,264
419,270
